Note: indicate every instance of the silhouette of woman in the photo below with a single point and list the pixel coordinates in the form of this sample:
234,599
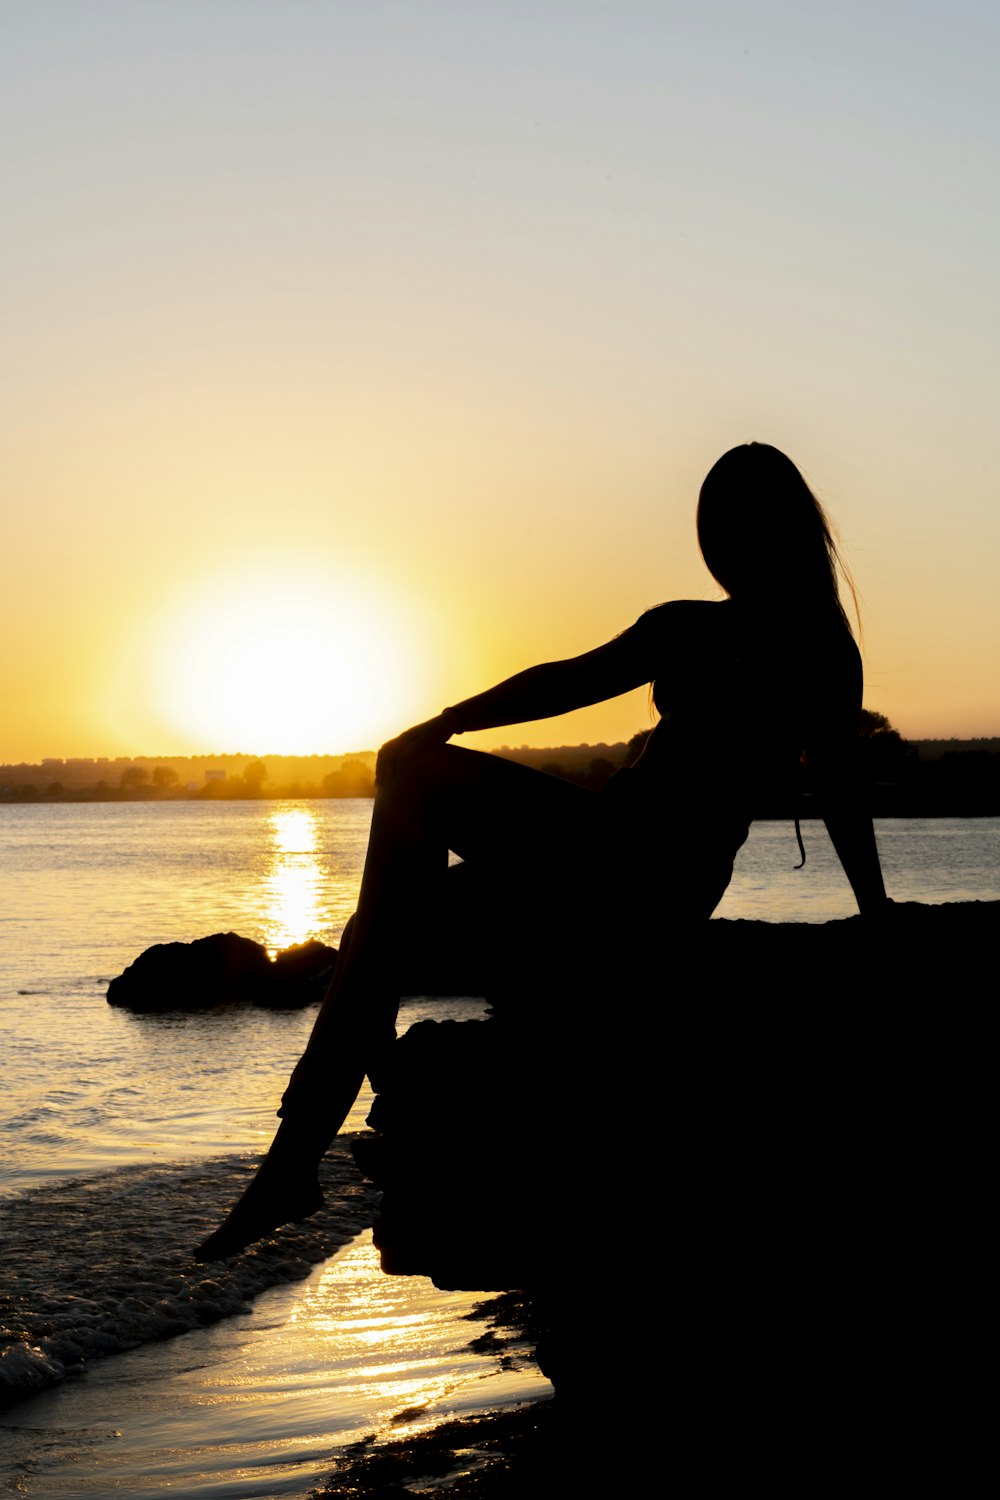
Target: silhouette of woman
745,687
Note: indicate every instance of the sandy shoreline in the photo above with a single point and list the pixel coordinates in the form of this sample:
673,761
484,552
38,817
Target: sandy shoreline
488,1457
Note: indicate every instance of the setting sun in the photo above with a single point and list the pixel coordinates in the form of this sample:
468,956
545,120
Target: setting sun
285,659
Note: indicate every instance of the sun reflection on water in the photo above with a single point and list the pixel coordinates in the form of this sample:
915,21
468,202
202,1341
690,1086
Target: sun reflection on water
399,1346
293,881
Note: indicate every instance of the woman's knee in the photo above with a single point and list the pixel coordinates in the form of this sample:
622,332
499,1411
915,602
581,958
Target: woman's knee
409,799
420,773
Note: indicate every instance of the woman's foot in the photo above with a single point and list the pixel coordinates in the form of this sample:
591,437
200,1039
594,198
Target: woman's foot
276,1196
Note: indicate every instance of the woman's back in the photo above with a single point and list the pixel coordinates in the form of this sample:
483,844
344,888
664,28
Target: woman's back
741,694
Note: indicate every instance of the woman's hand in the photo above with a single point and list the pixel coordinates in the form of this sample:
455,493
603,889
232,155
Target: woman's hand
436,731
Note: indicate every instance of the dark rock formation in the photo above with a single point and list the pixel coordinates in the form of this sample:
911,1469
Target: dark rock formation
220,970
761,1146
299,975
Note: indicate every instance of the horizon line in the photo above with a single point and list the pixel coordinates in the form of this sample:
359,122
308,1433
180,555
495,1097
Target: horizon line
368,750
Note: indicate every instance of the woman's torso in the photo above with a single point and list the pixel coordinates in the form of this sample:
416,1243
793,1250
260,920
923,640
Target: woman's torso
740,693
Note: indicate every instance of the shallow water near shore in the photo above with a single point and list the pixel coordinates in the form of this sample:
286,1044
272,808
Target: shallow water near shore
286,1354
167,1111
256,1407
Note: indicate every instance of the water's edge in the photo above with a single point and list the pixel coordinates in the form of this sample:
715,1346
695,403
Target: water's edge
101,1264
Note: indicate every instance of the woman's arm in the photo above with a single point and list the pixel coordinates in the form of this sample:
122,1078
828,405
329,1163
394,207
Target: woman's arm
555,687
853,837
540,692
832,759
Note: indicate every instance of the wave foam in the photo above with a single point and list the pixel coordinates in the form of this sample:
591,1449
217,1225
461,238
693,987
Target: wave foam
102,1264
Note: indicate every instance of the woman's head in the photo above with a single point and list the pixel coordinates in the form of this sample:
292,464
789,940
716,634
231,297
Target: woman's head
763,533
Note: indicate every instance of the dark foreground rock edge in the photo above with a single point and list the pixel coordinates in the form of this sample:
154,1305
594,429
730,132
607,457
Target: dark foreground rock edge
742,1038
788,1220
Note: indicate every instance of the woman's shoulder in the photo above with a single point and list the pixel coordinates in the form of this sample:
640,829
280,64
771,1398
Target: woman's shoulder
682,631
679,615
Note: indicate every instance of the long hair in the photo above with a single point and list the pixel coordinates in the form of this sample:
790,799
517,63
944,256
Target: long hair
766,538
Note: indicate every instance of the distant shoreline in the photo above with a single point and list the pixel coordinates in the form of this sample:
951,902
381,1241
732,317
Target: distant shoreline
916,778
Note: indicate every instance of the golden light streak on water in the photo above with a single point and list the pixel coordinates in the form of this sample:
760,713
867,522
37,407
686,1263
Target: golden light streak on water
389,1340
293,882
293,830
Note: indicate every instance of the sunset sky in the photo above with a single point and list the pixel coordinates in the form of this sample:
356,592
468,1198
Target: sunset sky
358,353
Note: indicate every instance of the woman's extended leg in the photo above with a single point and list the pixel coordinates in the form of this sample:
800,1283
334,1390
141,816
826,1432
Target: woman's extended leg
487,810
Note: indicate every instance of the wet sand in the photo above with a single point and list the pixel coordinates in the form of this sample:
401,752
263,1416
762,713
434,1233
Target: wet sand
485,1454
491,1457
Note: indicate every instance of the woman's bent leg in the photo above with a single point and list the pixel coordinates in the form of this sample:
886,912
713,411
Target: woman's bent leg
487,810
491,812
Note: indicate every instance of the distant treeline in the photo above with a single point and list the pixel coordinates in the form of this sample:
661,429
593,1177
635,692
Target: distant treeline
928,778
906,778
198,777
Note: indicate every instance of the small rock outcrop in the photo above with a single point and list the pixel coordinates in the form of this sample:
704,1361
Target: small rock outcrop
223,969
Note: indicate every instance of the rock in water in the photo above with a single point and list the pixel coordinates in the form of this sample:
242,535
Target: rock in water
219,970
